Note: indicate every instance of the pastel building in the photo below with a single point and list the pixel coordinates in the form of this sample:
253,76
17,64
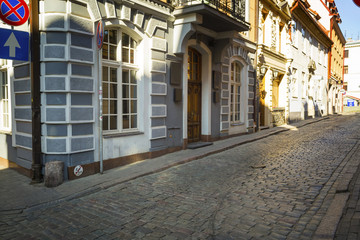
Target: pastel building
352,73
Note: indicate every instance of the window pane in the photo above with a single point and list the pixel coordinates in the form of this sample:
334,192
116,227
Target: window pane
113,90
133,121
105,90
133,106
125,106
125,55
6,124
106,36
112,36
125,76
133,91
125,122
132,56
112,53
113,73
238,77
113,122
105,106
125,91
105,123
133,77
105,73
6,106
105,51
113,107
125,40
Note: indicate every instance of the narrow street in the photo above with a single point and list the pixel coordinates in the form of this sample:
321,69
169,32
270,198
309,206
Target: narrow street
275,188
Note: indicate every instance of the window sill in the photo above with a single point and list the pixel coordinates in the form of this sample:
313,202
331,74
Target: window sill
237,124
5,132
123,134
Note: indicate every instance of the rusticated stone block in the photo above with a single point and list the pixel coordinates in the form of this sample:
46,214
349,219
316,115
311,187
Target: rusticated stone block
54,173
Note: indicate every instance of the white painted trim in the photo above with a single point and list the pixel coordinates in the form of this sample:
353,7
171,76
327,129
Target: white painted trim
206,77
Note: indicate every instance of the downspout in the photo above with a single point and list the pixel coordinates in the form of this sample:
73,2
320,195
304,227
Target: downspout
329,67
343,79
256,98
36,166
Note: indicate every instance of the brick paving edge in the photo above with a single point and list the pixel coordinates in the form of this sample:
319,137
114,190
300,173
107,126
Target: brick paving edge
329,223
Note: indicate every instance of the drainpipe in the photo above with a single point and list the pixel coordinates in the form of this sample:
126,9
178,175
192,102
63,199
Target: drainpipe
329,68
256,89
343,80
36,166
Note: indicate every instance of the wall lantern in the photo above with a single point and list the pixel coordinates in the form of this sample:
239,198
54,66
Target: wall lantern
275,74
294,70
263,70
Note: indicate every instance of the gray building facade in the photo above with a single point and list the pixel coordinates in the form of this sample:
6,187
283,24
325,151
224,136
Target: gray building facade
168,75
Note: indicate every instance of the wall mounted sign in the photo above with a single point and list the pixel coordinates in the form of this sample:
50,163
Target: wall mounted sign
14,44
14,12
100,34
78,170
357,2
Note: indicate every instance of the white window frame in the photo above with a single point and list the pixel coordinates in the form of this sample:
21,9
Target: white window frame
121,67
304,40
294,34
5,104
236,93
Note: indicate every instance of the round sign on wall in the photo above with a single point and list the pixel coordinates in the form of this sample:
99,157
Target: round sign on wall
100,34
14,12
78,170
357,2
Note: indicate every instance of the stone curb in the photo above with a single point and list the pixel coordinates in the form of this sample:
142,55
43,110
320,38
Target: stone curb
328,225
112,183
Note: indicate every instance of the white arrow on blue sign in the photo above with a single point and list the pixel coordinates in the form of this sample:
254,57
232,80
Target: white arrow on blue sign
14,45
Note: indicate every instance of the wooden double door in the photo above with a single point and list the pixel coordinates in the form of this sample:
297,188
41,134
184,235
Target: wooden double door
194,96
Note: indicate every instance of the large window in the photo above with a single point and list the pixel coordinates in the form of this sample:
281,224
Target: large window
4,102
119,82
294,33
303,35
235,93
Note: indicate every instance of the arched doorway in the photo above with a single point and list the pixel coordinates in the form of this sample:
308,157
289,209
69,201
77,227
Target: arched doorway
194,95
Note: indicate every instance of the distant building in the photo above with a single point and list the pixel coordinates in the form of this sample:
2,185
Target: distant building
336,61
352,73
308,51
273,62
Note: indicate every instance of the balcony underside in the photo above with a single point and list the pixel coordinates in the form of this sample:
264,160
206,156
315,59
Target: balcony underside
214,19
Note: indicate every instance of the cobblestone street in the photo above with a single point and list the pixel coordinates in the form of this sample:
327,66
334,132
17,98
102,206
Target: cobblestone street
275,188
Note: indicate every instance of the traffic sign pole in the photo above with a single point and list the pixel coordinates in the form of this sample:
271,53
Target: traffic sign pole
35,93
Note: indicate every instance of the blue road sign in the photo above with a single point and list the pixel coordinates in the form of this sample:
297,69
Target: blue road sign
14,45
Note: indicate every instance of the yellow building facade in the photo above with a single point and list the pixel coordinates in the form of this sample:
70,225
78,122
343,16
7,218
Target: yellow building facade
336,64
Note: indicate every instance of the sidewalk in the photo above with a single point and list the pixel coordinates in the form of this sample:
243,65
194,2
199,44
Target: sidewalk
17,195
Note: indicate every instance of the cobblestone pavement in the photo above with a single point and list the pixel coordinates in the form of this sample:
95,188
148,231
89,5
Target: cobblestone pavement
275,188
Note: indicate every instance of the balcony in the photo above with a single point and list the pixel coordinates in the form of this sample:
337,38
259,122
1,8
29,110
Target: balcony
218,15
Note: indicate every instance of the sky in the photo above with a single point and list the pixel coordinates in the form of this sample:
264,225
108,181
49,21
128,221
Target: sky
350,16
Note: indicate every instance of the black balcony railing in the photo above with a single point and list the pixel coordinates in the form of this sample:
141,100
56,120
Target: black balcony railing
234,8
